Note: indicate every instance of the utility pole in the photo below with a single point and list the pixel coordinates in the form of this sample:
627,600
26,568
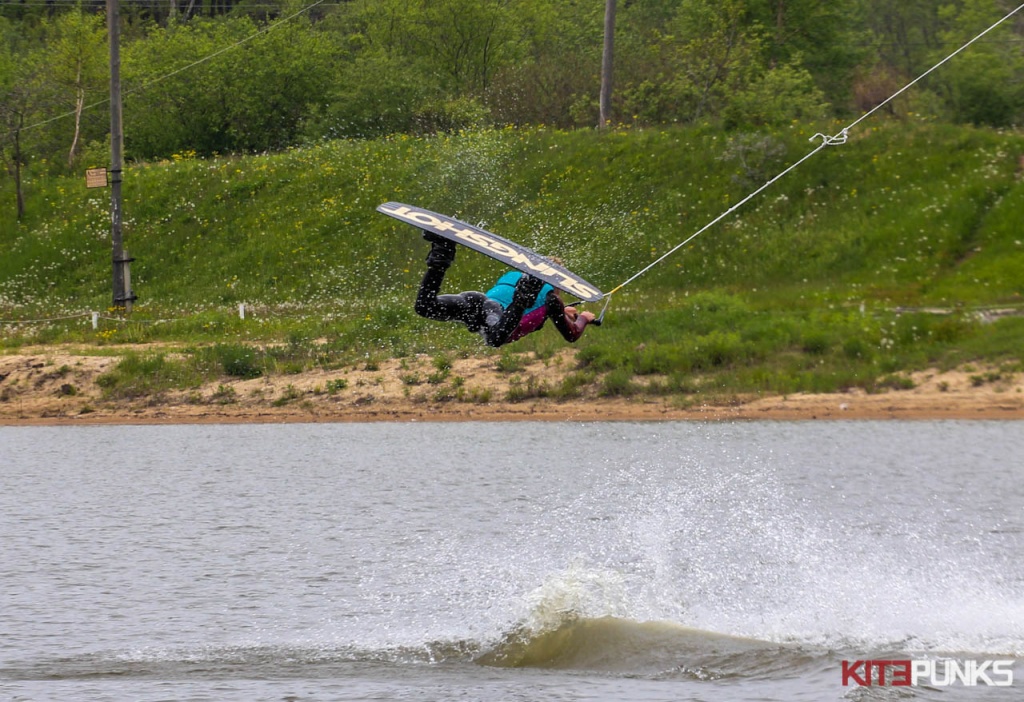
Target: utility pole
123,296
607,64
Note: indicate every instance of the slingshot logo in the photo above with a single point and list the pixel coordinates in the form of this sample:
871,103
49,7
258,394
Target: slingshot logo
944,673
492,245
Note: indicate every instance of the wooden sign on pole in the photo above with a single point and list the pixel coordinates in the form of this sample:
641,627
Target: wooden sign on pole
96,178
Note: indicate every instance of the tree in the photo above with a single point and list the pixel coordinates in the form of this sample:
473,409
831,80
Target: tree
254,96
554,75
711,54
462,42
468,40
826,37
19,99
779,96
75,52
985,84
905,32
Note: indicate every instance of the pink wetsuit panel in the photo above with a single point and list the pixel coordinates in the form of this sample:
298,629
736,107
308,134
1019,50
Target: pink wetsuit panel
529,323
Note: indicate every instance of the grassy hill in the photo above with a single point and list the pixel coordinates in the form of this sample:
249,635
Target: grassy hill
898,250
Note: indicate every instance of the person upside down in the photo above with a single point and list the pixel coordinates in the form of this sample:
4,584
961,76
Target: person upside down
517,305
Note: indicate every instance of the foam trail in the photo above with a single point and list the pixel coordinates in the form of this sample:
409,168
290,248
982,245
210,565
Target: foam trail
737,552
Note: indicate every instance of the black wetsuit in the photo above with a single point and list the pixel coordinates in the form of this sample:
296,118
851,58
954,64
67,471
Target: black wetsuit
478,312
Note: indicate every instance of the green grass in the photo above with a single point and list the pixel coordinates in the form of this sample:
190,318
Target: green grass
141,375
833,278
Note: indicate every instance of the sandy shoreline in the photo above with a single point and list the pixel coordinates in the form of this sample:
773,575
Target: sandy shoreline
57,386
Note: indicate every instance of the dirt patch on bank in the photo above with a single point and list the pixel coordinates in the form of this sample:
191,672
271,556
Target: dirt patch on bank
58,385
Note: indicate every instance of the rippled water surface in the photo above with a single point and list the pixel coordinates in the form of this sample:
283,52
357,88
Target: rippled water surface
519,561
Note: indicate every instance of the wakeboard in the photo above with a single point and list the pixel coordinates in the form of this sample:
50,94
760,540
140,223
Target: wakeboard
508,252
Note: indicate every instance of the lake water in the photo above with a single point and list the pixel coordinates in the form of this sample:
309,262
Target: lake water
519,561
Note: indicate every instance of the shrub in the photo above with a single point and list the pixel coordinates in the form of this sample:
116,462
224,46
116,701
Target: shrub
856,348
225,395
510,362
336,385
718,349
662,359
442,362
572,385
290,394
599,358
782,95
618,383
816,343
519,390
239,361
138,375
894,381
